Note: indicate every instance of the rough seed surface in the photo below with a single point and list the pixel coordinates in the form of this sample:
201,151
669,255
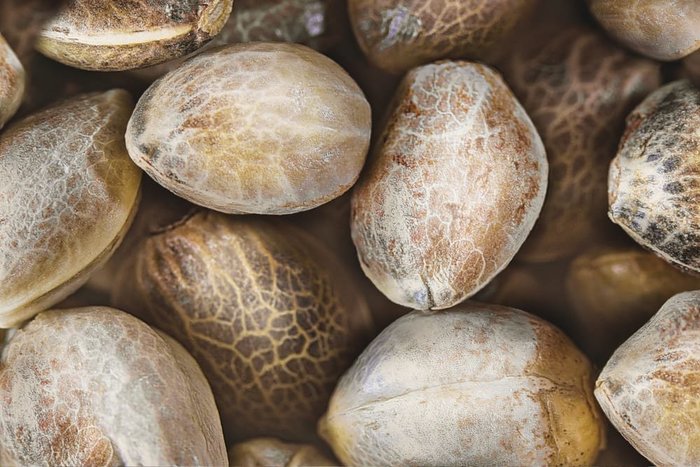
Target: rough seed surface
578,88
650,388
660,29
68,191
310,22
474,385
96,386
397,36
453,188
270,326
253,128
654,184
12,82
119,35
314,23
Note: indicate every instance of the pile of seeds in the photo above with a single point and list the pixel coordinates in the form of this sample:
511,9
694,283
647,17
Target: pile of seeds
349,232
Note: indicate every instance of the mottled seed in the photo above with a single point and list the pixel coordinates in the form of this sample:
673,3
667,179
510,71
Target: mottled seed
653,185
314,23
577,87
657,28
96,386
68,193
455,185
272,319
397,36
12,82
106,35
650,388
473,385
253,128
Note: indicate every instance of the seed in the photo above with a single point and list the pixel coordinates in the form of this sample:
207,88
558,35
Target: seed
253,128
473,385
68,193
96,386
653,180
578,87
657,28
614,291
691,66
454,187
12,82
397,36
105,35
269,315
272,452
314,23
650,388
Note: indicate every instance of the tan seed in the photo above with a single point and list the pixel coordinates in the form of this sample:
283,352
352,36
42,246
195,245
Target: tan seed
657,28
96,386
253,128
474,385
105,35
267,452
614,291
454,186
12,82
270,316
68,194
650,388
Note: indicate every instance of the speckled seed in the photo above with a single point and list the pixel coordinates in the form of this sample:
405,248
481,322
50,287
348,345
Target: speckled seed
581,75
614,291
454,187
253,128
657,28
68,193
397,36
271,318
96,386
12,82
650,388
653,188
474,385
106,35
270,452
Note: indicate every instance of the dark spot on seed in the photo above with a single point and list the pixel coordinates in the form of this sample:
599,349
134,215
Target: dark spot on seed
655,233
670,164
674,188
653,157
